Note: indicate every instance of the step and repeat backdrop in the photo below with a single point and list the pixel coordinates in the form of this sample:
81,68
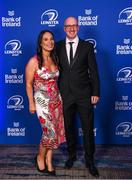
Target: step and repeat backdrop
107,24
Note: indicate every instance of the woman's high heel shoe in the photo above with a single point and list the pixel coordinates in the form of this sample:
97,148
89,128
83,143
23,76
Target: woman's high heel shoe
36,164
51,173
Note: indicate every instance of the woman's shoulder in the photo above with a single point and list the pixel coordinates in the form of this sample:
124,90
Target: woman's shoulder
33,61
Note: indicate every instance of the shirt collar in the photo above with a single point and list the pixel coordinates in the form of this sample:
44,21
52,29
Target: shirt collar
75,40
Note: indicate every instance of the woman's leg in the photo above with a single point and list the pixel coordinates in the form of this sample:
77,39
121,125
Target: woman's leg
49,159
41,157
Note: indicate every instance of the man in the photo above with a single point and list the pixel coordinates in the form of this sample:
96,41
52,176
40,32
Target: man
79,87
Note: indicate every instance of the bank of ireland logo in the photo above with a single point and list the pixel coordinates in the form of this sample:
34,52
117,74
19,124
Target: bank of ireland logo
11,13
12,47
125,75
15,102
16,130
80,132
126,41
49,17
124,129
11,21
93,41
125,16
88,19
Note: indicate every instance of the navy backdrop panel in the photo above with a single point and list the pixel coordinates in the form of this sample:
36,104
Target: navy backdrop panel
107,24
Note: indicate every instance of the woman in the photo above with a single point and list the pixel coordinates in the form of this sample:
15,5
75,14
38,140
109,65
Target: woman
44,99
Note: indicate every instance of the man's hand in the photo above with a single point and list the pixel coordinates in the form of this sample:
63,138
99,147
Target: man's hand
94,99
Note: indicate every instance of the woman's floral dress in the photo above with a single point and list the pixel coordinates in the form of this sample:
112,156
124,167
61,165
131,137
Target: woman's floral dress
49,107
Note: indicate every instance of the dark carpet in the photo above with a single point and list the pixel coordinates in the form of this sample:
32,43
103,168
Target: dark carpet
113,162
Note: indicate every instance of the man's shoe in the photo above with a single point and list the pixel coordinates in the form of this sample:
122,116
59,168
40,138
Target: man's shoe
69,163
92,169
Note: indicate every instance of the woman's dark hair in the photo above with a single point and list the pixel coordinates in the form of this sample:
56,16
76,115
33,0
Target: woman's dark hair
39,50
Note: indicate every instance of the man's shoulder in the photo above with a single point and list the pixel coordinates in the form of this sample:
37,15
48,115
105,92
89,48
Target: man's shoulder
86,43
59,45
60,42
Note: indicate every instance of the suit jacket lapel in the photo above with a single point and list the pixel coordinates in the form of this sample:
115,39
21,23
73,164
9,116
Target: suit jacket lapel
65,54
76,53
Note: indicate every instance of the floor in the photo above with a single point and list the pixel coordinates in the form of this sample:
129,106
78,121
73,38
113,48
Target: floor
113,162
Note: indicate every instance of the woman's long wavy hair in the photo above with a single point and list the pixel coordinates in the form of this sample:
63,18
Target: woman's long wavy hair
39,50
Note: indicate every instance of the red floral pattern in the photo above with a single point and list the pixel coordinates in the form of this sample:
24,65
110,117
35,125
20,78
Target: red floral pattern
49,107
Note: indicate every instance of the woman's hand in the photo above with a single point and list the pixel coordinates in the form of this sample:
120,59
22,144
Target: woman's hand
32,108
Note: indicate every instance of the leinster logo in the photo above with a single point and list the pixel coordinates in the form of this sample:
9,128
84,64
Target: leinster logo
125,16
15,102
124,129
49,17
125,75
93,41
13,47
